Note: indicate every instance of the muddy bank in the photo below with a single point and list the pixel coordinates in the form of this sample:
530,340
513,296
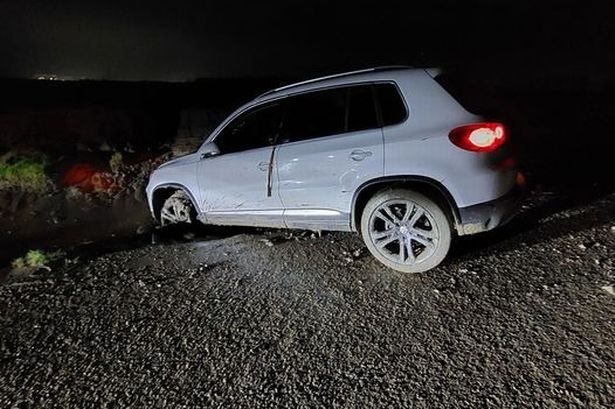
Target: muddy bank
84,198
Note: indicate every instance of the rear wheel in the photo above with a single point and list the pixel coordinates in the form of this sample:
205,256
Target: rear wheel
405,230
176,209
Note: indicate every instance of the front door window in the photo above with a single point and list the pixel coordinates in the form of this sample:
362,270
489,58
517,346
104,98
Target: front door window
253,129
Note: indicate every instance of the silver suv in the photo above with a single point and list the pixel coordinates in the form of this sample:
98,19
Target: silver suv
386,152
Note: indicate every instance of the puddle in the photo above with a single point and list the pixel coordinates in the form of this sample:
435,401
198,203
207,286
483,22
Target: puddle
89,249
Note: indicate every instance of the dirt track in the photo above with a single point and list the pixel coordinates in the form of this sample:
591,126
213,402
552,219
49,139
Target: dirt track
522,318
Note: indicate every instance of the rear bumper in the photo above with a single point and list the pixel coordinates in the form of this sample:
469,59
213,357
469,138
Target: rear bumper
489,215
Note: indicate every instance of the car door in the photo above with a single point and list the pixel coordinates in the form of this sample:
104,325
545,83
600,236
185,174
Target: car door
237,184
330,143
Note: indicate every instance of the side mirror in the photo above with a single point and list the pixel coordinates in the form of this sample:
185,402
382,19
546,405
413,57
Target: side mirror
209,149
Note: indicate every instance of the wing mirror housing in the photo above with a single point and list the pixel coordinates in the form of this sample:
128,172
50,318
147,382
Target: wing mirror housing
209,149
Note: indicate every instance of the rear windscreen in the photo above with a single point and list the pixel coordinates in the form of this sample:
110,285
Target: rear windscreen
472,97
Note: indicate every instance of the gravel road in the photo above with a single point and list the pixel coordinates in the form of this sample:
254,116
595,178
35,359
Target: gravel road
520,318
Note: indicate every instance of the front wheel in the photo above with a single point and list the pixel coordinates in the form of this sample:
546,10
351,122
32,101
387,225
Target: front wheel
405,230
177,209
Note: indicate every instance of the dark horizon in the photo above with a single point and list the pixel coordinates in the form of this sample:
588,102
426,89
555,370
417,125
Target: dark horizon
186,40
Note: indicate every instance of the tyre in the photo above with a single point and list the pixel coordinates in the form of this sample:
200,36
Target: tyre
405,230
177,209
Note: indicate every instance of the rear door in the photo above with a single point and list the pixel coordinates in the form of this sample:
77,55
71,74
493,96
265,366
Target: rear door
330,143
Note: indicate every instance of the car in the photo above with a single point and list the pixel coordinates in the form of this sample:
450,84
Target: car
386,152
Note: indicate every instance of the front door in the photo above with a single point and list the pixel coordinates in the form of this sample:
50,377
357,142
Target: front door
237,186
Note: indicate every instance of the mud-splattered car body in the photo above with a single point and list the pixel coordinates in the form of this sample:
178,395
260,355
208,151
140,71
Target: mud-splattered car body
311,155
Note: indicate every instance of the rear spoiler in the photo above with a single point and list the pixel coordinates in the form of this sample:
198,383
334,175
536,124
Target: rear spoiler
433,72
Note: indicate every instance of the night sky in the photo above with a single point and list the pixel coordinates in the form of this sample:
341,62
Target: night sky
183,40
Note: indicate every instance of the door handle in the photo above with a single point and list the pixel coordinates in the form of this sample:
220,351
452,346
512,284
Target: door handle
263,166
360,154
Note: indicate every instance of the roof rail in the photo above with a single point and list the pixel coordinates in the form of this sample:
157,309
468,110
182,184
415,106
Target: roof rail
328,77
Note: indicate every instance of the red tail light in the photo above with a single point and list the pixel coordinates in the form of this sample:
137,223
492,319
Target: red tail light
481,137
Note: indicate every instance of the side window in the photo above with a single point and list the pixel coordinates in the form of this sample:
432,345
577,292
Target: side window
361,109
314,115
253,129
391,104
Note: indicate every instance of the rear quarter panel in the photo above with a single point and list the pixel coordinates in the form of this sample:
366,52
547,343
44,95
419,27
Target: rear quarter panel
420,146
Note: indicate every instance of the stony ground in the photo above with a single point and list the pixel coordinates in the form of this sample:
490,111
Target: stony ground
522,318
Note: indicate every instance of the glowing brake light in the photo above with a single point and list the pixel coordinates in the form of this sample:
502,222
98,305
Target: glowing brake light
480,137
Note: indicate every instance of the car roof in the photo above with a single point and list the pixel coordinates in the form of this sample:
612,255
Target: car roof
345,78
428,96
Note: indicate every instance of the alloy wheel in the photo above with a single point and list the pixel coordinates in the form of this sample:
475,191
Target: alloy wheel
403,232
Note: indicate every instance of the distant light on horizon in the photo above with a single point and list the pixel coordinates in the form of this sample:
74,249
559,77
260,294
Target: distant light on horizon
46,77
56,77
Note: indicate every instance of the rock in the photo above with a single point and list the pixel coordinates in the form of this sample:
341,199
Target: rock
267,242
582,246
609,289
139,195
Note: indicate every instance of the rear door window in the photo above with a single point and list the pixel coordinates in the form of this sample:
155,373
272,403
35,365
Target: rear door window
314,115
329,112
361,109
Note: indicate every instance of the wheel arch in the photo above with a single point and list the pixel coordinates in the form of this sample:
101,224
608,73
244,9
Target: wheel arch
163,191
422,184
